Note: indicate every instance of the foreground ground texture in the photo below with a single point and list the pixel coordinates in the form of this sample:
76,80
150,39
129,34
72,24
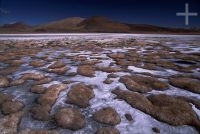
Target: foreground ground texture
100,83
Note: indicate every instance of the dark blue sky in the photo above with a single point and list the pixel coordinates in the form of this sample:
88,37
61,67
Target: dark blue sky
156,12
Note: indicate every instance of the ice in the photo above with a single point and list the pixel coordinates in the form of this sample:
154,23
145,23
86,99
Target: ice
100,77
177,92
51,83
28,122
28,71
48,65
122,73
106,40
173,72
142,123
166,72
105,63
196,110
117,50
193,50
142,50
183,47
72,69
101,37
26,59
152,41
80,53
18,74
141,70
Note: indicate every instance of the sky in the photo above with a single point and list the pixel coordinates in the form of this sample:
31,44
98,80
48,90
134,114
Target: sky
154,12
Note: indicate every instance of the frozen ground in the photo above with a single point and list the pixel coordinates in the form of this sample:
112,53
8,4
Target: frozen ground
142,46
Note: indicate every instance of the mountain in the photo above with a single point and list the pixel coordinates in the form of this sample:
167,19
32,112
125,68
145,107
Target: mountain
69,24
144,28
77,24
15,27
102,24
92,24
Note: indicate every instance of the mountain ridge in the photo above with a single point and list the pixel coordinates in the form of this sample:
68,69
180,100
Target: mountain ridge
96,24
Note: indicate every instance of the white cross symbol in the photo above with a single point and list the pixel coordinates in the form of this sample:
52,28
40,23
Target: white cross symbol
186,14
